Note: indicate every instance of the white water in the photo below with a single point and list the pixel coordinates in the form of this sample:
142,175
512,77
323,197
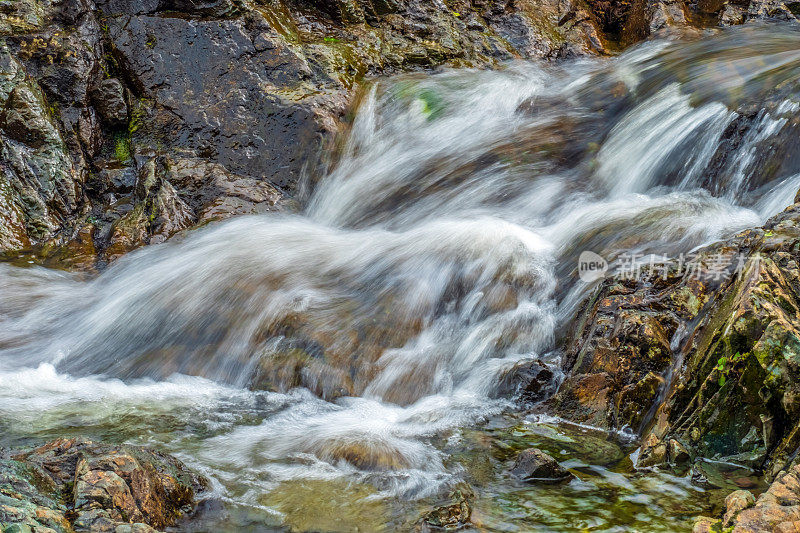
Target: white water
454,192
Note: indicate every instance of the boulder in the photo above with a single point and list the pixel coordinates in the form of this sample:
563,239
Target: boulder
529,381
736,502
109,99
535,466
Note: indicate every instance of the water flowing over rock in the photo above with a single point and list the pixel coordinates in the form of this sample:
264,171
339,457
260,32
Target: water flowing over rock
113,90
718,379
99,96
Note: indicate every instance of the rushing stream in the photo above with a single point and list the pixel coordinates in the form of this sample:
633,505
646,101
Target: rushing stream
438,252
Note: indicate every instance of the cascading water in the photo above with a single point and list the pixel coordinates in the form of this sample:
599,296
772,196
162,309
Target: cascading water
437,254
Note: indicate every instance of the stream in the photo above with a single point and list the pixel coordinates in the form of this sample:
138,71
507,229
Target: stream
338,369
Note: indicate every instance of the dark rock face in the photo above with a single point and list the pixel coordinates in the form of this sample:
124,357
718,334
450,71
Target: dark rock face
212,79
533,465
79,485
529,381
109,100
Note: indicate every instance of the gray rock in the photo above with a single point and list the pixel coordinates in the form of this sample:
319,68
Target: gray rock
109,99
533,465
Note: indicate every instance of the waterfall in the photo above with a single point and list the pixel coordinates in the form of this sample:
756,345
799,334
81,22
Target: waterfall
439,252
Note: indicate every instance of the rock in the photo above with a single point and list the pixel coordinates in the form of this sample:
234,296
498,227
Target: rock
734,503
616,369
533,465
737,344
89,92
530,381
653,452
678,454
364,456
705,524
731,15
451,517
24,119
39,187
109,99
86,486
777,509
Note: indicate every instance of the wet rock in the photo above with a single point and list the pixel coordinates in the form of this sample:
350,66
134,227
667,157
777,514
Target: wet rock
452,517
38,182
529,381
731,15
617,364
364,456
535,466
733,395
109,99
705,524
24,119
678,453
251,90
653,452
77,484
734,503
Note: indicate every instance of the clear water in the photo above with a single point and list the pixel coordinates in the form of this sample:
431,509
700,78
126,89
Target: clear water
439,251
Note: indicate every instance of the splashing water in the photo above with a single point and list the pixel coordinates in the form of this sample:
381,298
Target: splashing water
438,253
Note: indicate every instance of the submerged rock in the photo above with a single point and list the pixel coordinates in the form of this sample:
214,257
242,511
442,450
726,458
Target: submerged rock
533,465
76,484
451,517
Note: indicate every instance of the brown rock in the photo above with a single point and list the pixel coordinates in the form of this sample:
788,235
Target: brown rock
113,486
705,524
736,501
778,509
450,517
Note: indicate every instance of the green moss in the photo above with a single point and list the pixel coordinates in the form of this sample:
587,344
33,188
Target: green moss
138,114
280,19
122,148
